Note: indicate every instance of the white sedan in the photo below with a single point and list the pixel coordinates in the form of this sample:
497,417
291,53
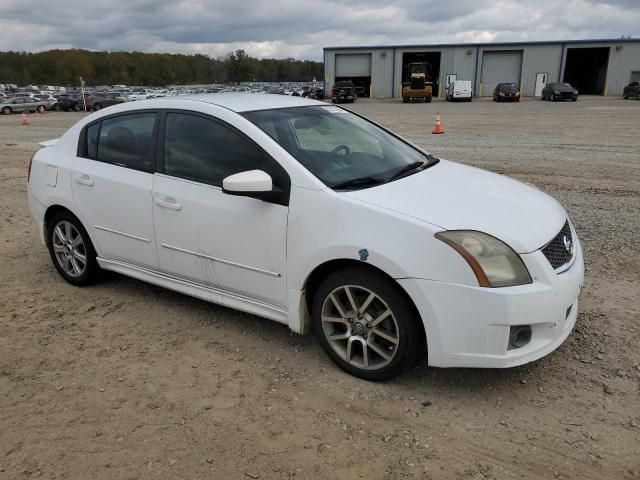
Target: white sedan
312,216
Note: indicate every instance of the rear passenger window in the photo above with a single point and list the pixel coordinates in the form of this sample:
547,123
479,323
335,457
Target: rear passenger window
92,141
127,140
199,149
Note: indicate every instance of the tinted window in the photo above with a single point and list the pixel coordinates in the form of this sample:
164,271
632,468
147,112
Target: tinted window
92,141
200,149
127,140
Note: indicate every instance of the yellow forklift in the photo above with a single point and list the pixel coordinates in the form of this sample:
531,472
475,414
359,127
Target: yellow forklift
416,85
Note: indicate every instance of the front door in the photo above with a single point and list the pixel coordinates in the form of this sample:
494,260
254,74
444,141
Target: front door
541,81
111,182
233,243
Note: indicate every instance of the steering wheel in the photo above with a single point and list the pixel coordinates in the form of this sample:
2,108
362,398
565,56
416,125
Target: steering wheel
339,148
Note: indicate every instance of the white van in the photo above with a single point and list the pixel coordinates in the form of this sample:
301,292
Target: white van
459,90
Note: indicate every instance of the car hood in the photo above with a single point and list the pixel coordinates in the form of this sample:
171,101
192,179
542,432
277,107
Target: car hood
453,196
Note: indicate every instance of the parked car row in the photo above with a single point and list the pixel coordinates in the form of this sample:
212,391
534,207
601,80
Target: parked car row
100,97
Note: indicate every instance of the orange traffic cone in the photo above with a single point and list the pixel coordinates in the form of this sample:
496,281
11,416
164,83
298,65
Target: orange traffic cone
437,129
25,120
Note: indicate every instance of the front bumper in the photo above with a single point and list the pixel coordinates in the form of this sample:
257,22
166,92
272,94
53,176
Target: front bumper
344,97
469,326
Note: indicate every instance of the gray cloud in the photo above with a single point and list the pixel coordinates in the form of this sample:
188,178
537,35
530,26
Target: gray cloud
279,28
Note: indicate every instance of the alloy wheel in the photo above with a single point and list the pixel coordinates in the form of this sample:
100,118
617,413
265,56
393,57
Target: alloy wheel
360,327
69,249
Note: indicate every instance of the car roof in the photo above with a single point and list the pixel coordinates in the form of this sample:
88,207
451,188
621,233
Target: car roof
246,102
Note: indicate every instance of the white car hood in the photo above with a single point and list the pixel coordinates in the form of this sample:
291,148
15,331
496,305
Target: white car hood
458,197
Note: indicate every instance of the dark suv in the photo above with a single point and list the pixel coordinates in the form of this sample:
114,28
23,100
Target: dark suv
344,91
632,90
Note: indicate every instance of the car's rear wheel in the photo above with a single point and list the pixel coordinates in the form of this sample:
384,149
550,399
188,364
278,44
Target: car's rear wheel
97,107
625,95
71,249
77,107
552,97
365,324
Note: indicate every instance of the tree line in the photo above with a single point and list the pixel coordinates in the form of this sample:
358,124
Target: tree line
65,67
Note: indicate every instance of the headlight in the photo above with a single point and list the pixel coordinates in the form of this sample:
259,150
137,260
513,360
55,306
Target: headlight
557,92
493,262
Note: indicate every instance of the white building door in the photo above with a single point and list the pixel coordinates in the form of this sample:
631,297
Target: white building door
541,81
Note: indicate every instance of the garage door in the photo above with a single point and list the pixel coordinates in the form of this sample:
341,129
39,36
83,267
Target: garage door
500,67
353,65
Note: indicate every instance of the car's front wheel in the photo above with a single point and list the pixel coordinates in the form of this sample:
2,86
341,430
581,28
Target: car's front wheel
6,110
71,249
365,324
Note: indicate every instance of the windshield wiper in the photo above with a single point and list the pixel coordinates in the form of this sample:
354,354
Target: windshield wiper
407,169
357,182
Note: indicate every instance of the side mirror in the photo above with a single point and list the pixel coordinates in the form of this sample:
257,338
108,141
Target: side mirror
252,183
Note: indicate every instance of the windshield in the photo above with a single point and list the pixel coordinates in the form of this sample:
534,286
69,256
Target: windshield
340,148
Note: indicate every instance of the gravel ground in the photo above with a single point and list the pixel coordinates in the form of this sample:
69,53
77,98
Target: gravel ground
125,380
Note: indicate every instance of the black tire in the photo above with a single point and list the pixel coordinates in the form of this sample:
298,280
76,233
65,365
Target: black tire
405,99
97,107
6,111
428,99
77,107
625,95
91,269
56,107
409,338
574,99
552,97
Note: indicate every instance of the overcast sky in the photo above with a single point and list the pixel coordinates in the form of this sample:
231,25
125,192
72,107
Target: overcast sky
282,28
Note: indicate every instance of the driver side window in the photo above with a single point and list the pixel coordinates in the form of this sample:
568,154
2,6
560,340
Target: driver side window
206,151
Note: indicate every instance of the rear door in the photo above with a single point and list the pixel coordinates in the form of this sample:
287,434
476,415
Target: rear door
112,177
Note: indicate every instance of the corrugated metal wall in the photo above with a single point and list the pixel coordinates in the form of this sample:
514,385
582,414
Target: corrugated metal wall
466,62
539,59
621,63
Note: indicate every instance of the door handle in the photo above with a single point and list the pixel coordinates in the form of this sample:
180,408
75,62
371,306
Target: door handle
84,179
167,204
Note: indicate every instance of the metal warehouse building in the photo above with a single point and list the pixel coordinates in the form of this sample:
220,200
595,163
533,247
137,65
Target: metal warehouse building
594,67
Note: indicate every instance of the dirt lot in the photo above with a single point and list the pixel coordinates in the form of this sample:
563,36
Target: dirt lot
125,380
